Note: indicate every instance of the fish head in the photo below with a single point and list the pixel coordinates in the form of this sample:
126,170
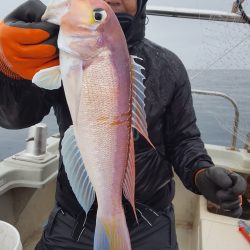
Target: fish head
87,27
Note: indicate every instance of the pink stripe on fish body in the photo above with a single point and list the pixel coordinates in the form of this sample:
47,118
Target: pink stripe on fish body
103,127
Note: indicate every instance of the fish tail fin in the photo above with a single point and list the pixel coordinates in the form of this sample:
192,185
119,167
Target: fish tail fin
112,234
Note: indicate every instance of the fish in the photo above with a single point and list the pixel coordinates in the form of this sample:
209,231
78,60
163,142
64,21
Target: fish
105,94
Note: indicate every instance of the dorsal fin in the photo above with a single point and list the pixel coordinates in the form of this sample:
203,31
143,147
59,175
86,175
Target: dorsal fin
138,113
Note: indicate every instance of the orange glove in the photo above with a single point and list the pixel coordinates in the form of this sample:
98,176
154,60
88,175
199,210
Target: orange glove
27,44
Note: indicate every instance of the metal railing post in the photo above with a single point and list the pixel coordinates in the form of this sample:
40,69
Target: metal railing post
199,14
236,112
246,145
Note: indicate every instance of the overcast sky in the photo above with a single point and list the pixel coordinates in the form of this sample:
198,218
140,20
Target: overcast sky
197,43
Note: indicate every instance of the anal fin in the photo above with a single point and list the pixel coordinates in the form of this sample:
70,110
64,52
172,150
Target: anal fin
129,180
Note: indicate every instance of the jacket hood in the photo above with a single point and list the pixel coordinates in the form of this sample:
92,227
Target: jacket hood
134,26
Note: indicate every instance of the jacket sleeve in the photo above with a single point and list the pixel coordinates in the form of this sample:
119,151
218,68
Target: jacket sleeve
22,104
184,146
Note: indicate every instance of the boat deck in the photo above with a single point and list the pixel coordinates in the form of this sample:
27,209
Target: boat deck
184,237
28,208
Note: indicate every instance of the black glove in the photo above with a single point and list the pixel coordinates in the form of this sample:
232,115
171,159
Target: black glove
27,44
222,187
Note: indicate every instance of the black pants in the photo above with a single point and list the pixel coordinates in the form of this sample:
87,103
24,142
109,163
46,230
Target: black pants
156,231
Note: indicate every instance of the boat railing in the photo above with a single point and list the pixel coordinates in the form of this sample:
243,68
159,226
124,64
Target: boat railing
236,112
200,14
211,16
247,143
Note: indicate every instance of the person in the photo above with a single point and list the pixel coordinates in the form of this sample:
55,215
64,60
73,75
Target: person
28,45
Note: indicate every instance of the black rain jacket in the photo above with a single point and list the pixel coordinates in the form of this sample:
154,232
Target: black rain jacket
170,117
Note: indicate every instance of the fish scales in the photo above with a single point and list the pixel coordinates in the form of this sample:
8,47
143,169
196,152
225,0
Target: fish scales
104,90
101,98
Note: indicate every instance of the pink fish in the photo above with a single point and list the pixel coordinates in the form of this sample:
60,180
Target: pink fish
104,90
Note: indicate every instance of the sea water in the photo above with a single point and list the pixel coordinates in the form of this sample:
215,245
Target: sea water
214,114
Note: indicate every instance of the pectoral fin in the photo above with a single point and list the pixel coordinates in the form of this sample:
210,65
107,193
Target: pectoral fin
48,78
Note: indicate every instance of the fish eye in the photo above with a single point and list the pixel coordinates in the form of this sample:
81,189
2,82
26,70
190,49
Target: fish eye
99,15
